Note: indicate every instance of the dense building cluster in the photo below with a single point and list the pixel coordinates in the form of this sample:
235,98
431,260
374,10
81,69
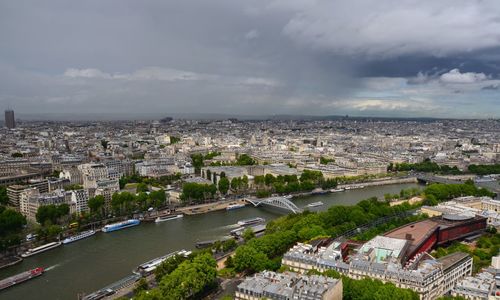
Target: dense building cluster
95,155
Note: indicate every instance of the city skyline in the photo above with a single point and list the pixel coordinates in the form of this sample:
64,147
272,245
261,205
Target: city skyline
278,57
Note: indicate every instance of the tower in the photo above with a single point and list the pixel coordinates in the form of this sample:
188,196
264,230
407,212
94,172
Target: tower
10,121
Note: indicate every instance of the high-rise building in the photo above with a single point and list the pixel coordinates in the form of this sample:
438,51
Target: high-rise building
10,121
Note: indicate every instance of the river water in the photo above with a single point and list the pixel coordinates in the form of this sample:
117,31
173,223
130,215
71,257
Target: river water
90,264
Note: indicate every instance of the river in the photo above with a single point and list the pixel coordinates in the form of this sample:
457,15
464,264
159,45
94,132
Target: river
88,265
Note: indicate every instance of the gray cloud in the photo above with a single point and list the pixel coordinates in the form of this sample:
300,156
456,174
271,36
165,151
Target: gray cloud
388,28
259,57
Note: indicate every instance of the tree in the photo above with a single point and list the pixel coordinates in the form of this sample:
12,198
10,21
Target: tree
195,191
11,225
174,139
223,185
104,144
16,155
248,234
247,258
96,204
51,214
325,160
141,187
158,198
244,160
168,266
4,199
141,285
229,245
269,179
190,278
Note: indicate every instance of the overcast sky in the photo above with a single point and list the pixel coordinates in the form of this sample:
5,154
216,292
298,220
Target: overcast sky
406,58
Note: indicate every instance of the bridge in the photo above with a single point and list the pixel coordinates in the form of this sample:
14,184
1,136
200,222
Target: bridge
428,178
492,186
276,202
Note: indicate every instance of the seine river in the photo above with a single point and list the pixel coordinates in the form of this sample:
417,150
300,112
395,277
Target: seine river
88,265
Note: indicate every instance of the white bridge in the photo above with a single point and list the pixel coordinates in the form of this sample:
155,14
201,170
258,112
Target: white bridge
277,202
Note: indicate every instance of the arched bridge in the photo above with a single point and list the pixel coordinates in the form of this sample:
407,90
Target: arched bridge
427,178
277,202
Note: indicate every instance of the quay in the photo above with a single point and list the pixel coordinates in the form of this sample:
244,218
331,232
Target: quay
209,207
6,262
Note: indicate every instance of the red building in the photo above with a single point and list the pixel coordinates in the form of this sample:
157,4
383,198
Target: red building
426,235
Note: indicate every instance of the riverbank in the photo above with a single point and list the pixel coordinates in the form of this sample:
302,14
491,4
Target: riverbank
378,182
360,185
6,262
209,207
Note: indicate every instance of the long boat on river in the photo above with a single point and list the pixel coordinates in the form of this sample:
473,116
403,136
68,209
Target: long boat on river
19,278
41,249
149,266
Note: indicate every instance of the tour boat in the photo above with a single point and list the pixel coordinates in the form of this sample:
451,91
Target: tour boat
168,218
120,225
252,221
41,249
80,236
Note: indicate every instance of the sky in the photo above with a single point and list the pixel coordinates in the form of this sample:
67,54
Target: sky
388,58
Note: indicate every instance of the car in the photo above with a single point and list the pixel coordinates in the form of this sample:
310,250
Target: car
31,237
150,209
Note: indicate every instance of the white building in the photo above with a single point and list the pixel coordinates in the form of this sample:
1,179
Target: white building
80,200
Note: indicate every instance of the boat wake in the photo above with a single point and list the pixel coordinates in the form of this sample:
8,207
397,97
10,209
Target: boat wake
52,267
230,226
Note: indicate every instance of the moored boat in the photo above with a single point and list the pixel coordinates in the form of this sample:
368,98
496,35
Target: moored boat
21,277
120,225
336,190
40,249
81,235
168,218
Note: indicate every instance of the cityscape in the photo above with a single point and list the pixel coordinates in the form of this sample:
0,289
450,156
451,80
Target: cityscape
286,150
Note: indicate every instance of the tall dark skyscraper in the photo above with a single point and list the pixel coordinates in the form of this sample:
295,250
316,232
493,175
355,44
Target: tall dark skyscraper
10,121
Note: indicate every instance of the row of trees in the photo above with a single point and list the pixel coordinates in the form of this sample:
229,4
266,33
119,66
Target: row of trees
428,166
484,169
157,182
197,192
126,203
425,166
436,192
285,184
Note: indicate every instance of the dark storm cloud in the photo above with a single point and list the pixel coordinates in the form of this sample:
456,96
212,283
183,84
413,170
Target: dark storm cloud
250,57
